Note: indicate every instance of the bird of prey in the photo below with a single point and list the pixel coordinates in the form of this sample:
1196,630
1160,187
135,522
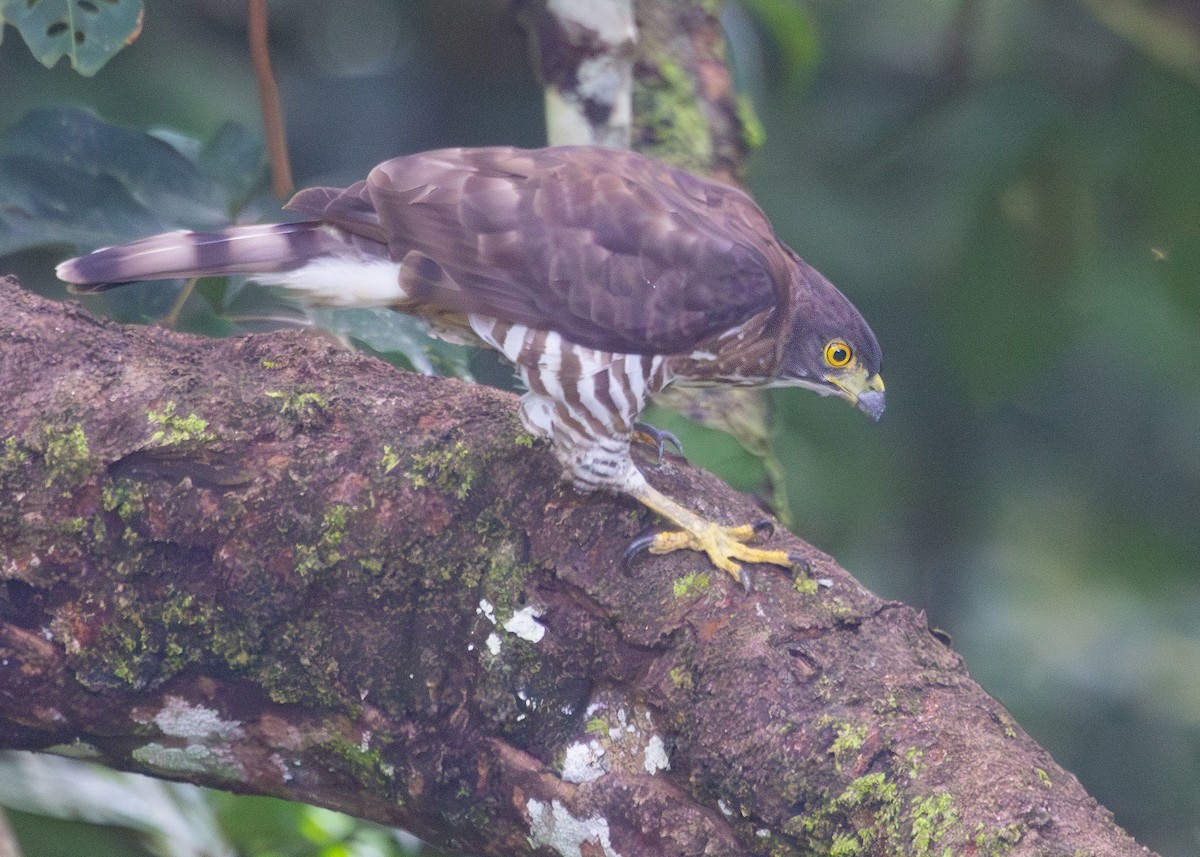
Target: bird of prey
601,274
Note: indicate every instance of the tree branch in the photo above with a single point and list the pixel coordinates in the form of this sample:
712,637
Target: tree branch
273,566
584,52
258,38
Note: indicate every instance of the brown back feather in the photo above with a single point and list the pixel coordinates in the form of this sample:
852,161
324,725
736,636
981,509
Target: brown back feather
613,250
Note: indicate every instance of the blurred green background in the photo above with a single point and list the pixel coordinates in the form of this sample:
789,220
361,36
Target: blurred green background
1008,189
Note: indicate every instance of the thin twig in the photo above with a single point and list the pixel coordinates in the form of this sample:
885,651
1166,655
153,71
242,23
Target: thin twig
171,320
268,96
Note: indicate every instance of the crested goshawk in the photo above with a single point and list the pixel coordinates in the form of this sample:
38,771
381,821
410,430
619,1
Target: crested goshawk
603,275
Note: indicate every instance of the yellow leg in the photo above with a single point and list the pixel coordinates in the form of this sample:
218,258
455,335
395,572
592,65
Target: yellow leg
723,545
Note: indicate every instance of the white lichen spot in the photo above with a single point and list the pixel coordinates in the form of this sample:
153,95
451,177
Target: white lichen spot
583,762
192,759
762,833
205,747
554,827
281,766
622,725
77,749
656,755
613,22
724,807
524,624
825,582
487,610
601,79
493,643
758,608
620,737
180,719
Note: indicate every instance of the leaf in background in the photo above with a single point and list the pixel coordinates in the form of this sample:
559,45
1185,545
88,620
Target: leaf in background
68,177
789,25
233,157
1170,33
89,32
175,819
390,332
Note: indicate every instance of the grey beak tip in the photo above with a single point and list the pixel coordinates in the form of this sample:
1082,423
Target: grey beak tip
872,403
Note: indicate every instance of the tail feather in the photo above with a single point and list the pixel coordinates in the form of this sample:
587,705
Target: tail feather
180,255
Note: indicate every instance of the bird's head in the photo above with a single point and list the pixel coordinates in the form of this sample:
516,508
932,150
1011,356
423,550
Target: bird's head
832,350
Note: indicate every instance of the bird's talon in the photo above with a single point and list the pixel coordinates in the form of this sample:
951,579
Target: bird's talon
740,533
764,526
657,438
637,546
724,546
800,563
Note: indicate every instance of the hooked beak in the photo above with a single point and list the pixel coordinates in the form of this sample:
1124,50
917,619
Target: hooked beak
872,402
864,393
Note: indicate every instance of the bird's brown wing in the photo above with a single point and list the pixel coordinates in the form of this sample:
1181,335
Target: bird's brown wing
349,208
612,250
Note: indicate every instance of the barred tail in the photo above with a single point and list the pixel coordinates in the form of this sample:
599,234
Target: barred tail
262,249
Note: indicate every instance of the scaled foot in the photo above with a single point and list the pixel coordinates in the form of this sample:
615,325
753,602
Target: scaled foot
724,545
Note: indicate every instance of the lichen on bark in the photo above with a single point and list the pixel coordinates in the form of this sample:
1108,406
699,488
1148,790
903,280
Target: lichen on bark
452,643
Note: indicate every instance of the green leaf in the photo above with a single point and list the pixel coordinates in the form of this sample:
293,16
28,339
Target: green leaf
388,332
789,25
68,177
89,32
175,819
233,158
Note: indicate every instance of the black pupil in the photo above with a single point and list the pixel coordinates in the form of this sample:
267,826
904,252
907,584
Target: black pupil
840,355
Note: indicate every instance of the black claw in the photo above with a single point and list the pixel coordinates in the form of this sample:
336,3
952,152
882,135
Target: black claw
670,438
746,581
800,562
764,525
658,438
636,547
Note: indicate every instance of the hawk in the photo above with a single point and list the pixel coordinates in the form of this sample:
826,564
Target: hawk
601,274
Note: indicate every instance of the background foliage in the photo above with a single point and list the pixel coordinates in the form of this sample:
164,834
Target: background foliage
1007,188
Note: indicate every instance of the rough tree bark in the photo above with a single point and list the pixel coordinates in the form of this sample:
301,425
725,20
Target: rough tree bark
276,567
642,74
273,566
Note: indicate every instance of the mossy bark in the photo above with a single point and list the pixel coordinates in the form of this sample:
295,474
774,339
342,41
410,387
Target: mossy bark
685,105
274,566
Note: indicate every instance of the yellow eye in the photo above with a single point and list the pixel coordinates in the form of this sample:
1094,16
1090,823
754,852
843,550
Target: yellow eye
838,354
